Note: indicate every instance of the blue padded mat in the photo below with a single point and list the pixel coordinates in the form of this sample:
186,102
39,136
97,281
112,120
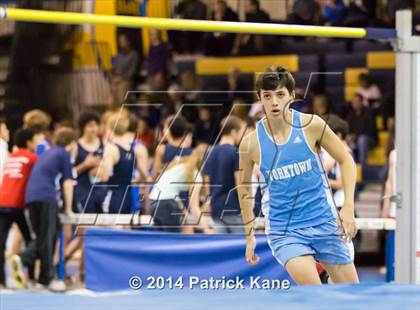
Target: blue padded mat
343,297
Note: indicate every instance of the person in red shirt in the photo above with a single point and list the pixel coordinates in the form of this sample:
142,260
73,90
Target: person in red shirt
17,169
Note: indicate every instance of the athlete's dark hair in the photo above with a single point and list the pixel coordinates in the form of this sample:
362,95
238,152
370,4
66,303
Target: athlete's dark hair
178,127
22,136
230,123
87,117
272,78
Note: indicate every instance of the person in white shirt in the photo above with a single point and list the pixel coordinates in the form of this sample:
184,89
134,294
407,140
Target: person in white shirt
182,174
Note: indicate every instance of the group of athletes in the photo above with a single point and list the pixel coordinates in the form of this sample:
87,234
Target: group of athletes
106,169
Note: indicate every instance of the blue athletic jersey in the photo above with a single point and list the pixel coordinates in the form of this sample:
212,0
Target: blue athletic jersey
118,197
123,169
172,151
83,179
298,193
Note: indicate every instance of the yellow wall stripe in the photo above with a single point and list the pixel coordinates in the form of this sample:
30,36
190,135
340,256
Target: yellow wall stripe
380,60
251,64
351,75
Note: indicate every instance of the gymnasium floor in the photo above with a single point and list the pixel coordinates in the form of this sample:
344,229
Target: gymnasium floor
363,296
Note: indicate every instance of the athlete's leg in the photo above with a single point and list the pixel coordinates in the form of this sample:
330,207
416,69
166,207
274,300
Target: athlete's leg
303,270
342,273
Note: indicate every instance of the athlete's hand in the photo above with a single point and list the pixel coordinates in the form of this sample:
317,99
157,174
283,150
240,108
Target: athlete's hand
92,161
251,258
348,222
69,213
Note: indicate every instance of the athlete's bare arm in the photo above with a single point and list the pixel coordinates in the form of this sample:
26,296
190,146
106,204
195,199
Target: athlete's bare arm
248,156
320,135
389,185
110,157
158,163
142,160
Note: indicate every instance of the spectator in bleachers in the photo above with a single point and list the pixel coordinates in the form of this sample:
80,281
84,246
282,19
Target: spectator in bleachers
87,197
187,42
305,12
18,167
155,99
174,102
251,44
235,89
145,134
123,70
191,94
357,14
392,6
159,55
334,12
4,146
222,176
363,133
369,91
320,105
220,43
204,127
41,196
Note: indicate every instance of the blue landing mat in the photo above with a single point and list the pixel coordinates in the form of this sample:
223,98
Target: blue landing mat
342,297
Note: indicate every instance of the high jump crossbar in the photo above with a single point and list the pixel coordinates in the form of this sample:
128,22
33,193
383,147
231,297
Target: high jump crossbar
57,17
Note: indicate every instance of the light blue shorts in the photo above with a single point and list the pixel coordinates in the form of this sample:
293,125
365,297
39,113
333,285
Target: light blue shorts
322,241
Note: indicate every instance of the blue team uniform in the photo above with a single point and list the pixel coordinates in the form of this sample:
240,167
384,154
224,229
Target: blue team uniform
172,151
118,198
297,202
88,195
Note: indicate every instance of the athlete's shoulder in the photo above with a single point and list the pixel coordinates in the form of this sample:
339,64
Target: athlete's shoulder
311,122
111,149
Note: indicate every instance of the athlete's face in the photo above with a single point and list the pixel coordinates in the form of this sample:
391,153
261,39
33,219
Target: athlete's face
91,129
276,101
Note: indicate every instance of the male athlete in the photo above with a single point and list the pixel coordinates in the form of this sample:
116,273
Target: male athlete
301,222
